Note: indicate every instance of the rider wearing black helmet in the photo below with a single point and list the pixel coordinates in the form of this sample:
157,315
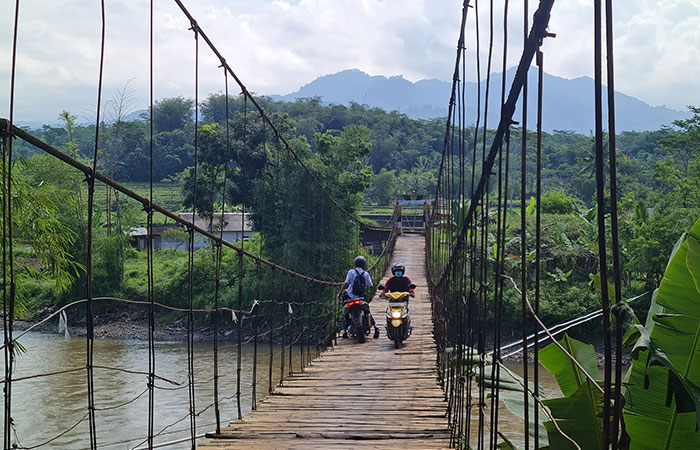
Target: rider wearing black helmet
357,279
399,282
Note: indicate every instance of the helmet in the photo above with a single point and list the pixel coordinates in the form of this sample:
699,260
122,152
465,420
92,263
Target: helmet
361,262
398,267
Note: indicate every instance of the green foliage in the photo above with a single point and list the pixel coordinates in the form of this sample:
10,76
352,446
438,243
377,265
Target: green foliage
37,224
663,397
557,202
108,264
301,229
172,113
578,412
384,185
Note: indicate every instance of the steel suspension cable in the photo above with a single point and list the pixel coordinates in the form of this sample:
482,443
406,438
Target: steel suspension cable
150,273
241,274
8,298
600,199
617,267
523,231
90,326
190,297
500,236
267,119
538,239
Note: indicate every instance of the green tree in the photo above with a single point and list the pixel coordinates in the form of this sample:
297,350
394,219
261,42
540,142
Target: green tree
172,113
37,225
384,187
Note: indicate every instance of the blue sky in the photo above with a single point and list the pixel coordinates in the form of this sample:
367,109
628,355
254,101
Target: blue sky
278,46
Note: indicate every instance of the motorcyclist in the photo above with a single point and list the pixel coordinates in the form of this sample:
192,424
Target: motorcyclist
399,282
347,290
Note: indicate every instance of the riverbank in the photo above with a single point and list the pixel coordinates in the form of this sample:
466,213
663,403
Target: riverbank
133,324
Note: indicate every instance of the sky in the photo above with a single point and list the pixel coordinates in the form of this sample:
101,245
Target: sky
276,46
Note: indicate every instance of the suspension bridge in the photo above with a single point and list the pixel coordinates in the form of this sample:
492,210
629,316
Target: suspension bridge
309,388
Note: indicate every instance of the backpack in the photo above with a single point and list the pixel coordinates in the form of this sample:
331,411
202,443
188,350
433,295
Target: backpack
359,284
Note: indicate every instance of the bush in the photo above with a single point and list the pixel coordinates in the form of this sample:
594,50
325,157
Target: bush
557,202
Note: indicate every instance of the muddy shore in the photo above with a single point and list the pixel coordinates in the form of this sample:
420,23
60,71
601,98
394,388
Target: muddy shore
126,324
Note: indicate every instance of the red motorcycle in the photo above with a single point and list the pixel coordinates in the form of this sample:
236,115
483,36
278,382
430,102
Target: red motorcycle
356,314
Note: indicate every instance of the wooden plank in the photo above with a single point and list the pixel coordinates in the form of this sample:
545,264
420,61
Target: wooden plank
357,396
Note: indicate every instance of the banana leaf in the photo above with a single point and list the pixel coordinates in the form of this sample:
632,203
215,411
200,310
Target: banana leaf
578,412
662,408
510,391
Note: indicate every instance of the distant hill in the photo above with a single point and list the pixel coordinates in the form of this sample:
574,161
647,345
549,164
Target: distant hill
568,103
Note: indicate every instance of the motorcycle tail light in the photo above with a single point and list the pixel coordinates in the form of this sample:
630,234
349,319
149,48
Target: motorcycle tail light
353,303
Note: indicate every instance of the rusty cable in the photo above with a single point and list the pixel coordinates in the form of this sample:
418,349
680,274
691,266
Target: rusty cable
8,301
149,269
267,119
90,325
601,204
617,267
18,132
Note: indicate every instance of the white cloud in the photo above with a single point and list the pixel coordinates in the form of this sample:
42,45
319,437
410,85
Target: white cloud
277,46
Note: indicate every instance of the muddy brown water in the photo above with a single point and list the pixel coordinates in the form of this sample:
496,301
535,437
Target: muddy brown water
44,407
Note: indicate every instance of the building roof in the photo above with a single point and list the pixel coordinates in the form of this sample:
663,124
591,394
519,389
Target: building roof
232,221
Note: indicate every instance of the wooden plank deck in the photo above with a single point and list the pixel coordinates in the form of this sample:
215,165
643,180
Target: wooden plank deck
357,396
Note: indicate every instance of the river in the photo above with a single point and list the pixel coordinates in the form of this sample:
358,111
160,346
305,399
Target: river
44,407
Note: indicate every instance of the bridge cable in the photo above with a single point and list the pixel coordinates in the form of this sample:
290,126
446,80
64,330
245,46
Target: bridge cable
259,277
500,245
190,254
241,274
276,131
484,288
523,232
617,268
538,241
8,298
90,326
149,268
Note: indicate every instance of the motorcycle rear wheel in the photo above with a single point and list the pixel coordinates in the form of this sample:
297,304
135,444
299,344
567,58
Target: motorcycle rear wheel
360,334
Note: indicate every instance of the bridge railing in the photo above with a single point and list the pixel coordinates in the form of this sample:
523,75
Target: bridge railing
286,316
302,317
466,254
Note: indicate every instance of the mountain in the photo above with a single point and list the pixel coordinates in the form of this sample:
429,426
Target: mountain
567,103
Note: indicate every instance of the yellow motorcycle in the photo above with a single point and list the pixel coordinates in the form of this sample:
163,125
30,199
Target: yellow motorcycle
398,317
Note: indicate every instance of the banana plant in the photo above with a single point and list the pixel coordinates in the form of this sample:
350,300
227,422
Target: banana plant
662,409
577,413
